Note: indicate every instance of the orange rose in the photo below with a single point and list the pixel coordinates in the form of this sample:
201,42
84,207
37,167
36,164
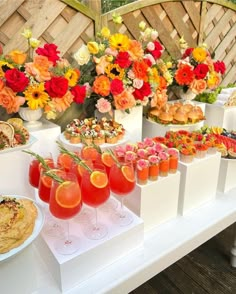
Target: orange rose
10,101
135,50
17,56
102,85
101,64
125,100
39,68
198,86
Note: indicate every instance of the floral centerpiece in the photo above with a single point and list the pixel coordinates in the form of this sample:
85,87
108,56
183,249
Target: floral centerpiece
37,79
196,71
120,73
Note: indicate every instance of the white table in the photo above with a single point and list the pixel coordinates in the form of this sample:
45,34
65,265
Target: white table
163,246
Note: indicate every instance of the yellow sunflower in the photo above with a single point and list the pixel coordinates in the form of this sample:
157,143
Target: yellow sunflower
72,76
199,54
4,63
114,71
119,42
36,96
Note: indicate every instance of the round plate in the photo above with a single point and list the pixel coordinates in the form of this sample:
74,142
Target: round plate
37,229
102,146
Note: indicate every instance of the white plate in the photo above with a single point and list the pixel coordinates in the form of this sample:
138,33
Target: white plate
37,229
102,146
31,141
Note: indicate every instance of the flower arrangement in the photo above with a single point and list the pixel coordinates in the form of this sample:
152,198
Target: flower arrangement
120,73
37,79
196,70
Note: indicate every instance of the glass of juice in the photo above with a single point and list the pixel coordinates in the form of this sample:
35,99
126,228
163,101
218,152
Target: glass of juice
122,182
65,203
95,191
34,173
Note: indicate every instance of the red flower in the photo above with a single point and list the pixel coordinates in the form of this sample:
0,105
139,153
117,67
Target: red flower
187,52
156,53
144,91
50,51
184,75
117,87
122,59
56,87
79,93
219,66
16,80
201,71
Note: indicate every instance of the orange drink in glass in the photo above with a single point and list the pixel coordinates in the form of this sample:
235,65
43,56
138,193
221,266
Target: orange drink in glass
65,202
95,191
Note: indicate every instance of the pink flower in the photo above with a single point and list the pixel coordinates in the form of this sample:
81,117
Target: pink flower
153,159
151,150
142,164
148,142
142,153
163,155
159,147
130,147
173,152
103,105
140,145
130,156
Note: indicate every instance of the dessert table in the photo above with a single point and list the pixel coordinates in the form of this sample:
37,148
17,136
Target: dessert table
159,251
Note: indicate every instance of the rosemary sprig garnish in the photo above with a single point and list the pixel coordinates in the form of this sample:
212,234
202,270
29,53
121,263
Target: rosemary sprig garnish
110,151
39,158
73,155
54,176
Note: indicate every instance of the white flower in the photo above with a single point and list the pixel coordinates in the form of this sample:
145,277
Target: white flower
82,56
150,46
137,83
154,35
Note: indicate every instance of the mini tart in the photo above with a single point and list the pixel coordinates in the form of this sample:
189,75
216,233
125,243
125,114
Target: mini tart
75,138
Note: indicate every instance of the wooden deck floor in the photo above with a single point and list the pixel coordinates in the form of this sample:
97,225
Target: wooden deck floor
205,270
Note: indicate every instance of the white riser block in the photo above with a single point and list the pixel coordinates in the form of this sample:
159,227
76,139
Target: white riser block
198,183
157,201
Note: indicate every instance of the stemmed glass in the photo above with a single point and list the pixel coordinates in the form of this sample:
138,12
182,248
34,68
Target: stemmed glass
52,228
122,182
95,191
65,202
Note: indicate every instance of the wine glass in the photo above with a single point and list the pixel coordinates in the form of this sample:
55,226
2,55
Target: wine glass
53,228
95,191
34,173
86,214
65,202
122,182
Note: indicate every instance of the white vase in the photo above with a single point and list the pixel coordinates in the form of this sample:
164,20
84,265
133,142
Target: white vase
31,117
132,122
186,96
